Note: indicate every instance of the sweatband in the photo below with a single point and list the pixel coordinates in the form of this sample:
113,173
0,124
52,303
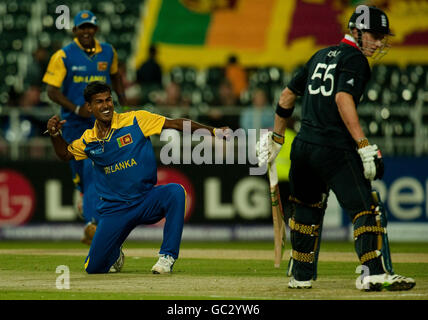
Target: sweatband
282,112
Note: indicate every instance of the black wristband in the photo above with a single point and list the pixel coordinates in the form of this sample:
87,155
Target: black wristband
282,112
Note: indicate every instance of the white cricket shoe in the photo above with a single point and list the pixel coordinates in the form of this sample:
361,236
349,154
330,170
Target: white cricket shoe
390,282
296,284
164,264
117,266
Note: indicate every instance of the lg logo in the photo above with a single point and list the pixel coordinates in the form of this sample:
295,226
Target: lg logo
17,198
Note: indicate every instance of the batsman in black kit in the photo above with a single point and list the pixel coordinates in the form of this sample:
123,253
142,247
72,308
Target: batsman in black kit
331,152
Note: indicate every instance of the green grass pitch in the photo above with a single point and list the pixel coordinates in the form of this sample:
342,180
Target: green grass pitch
205,271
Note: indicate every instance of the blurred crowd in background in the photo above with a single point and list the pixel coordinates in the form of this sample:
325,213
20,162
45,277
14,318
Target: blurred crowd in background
227,94
211,92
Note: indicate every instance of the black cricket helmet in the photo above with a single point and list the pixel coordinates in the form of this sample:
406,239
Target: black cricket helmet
377,21
373,20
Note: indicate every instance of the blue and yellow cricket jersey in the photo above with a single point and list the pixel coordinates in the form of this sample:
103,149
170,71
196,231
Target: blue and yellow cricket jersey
71,69
124,161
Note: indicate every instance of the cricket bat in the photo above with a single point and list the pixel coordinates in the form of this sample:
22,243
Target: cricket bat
277,216
383,242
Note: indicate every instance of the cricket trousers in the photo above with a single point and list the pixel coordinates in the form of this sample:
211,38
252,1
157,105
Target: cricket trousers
83,176
118,220
316,169
82,172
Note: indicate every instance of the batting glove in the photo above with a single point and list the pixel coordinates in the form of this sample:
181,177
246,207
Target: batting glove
368,155
267,149
380,167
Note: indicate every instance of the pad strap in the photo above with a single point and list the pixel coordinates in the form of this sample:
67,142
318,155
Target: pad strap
369,256
311,230
302,256
319,205
363,213
365,229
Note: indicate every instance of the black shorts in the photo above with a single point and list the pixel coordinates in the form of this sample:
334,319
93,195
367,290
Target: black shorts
315,169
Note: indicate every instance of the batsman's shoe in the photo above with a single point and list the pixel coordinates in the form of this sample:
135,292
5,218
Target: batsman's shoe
296,284
164,264
390,282
117,266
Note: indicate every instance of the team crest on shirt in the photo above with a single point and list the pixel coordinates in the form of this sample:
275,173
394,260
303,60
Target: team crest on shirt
124,140
102,66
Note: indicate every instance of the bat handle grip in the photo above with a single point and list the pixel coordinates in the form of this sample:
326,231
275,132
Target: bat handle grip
273,175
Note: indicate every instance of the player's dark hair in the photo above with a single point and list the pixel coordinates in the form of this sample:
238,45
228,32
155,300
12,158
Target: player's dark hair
94,88
152,50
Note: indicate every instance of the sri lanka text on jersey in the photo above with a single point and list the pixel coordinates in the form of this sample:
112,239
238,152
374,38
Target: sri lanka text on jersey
120,166
87,79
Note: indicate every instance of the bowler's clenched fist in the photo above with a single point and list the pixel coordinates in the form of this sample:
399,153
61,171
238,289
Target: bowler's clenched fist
55,125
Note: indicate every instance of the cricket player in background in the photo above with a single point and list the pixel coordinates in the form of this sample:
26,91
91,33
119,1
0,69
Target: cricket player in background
69,71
